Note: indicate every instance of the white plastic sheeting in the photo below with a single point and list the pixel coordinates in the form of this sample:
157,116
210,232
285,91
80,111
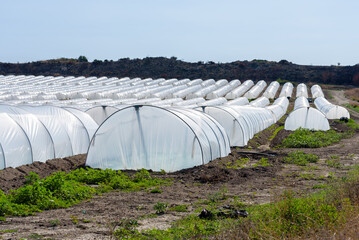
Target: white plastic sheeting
184,92
100,113
181,82
283,102
330,110
256,90
194,82
287,90
301,102
74,135
279,107
29,134
167,93
40,140
221,82
214,102
15,148
193,101
304,116
220,92
260,102
155,138
241,122
302,90
208,82
241,101
316,91
239,91
271,90
202,92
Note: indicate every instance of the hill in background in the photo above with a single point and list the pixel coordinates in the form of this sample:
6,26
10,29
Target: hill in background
160,67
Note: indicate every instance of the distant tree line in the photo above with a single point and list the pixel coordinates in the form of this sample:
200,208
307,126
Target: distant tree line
160,67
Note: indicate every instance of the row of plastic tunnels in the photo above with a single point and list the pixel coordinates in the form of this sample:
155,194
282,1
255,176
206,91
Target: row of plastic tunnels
155,124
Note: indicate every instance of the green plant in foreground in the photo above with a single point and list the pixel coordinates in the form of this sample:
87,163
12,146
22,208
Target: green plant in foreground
304,138
74,219
288,216
307,176
160,207
62,190
320,186
179,208
262,162
275,132
333,163
239,163
156,190
54,222
126,227
9,230
300,158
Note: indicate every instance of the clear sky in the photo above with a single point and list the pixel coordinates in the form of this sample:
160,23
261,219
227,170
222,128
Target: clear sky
318,32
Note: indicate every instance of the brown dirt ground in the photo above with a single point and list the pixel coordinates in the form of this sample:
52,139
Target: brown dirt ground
252,184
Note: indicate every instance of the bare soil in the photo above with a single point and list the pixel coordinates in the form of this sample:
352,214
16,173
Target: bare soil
252,183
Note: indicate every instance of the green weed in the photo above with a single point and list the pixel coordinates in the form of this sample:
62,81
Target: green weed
179,208
300,158
262,162
275,132
304,138
333,163
9,231
239,163
156,190
62,190
160,207
320,186
54,222
126,228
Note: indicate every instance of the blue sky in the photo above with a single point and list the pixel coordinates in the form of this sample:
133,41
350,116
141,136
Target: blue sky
319,32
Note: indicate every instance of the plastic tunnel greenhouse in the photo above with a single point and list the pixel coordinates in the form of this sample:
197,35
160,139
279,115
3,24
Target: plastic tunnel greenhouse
304,116
316,91
241,122
287,90
256,90
155,138
29,134
330,110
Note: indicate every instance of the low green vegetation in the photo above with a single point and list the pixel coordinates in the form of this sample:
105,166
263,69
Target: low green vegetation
160,207
9,230
156,190
352,107
179,208
290,215
237,164
300,158
275,132
54,222
304,138
262,162
351,124
282,81
62,190
334,163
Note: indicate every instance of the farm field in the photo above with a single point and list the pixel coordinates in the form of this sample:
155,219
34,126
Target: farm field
252,175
